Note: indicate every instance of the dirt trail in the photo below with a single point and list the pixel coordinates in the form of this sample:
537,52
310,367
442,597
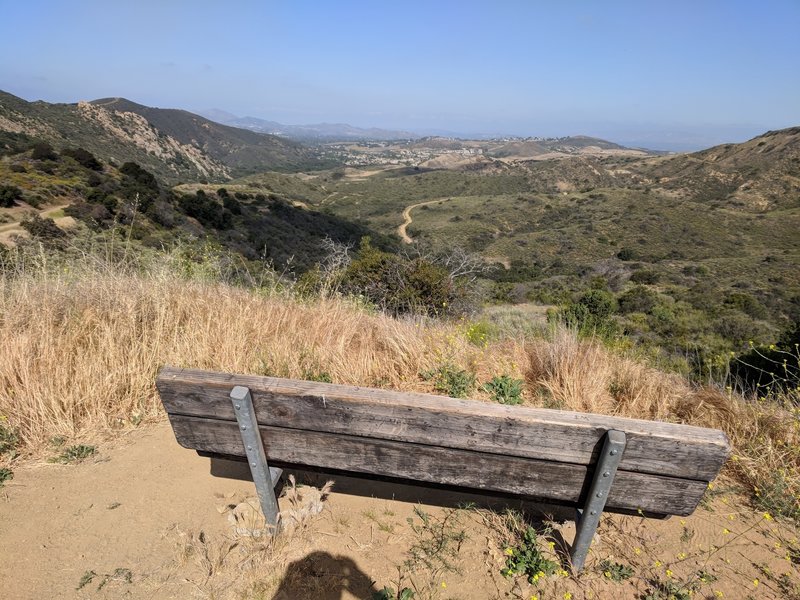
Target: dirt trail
8,230
402,230
42,213
146,518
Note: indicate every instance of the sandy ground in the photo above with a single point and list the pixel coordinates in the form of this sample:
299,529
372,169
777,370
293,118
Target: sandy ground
145,518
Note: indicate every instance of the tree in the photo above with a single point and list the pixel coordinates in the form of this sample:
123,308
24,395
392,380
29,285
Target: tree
43,151
9,194
83,157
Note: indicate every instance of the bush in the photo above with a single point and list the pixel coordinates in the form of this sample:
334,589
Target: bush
230,203
637,299
138,185
206,210
645,276
43,151
83,157
451,380
747,304
590,314
505,389
9,194
770,368
402,285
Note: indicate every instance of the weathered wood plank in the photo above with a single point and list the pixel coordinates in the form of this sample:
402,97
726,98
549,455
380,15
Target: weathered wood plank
569,437
477,470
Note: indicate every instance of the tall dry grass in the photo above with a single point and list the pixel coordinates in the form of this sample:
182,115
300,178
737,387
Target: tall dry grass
81,342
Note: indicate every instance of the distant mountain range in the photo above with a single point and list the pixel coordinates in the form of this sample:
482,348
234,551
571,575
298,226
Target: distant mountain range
174,144
315,132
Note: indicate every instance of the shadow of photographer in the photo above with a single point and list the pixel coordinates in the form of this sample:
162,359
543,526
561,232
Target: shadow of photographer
322,576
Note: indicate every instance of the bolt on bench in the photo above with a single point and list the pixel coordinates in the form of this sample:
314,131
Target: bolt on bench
592,462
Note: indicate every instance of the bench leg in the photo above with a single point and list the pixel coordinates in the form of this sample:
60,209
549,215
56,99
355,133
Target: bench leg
264,476
589,517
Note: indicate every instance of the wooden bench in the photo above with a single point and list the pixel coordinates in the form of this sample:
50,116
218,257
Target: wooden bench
557,456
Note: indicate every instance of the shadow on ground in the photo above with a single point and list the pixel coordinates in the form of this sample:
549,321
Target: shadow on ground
322,576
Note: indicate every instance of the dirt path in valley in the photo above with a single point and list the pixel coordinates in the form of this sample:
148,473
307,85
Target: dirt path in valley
402,230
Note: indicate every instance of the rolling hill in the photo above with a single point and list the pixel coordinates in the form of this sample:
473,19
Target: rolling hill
174,144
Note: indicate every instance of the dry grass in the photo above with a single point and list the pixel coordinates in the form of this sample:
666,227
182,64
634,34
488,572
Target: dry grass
83,341
82,344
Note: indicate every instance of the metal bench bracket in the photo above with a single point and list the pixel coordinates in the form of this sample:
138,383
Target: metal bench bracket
264,476
588,518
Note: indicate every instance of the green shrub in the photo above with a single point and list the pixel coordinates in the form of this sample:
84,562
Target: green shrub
478,333
590,315
637,299
645,276
747,304
9,194
527,559
43,151
615,571
83,157
6,474
74,454
505,389
451,380
402,285
206,210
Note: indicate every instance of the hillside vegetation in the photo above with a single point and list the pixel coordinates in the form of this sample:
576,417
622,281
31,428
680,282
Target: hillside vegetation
173,144
696,255
262,230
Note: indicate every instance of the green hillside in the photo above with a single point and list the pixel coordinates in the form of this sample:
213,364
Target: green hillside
698,253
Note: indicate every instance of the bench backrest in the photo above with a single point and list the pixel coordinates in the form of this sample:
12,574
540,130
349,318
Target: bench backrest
535,453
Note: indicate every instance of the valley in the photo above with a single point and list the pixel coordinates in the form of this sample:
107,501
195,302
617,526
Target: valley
695,254
464,265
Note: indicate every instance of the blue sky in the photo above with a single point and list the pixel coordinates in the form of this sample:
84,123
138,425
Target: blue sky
663,74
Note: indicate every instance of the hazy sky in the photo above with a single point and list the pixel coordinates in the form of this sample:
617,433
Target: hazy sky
668,73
